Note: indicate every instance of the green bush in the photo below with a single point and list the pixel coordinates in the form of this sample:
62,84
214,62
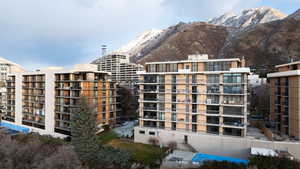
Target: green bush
221,165
262,162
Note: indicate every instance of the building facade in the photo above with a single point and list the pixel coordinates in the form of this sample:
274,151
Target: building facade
45,100
197,95
120,68
285,99
6,67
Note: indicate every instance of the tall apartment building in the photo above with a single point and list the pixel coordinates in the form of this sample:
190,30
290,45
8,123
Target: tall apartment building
6,67
120,68
44,101
197,95
285,99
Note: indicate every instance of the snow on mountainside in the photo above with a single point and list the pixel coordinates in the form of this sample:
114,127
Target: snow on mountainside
135,46
248,17
295,15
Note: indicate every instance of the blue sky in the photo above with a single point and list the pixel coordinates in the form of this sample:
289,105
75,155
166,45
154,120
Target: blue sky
39,33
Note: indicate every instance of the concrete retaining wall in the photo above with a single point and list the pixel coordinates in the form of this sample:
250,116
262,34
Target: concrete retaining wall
213,144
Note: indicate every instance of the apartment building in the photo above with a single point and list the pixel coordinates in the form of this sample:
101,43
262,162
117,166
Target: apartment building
44,101
6,67
120,68
198,95
285,99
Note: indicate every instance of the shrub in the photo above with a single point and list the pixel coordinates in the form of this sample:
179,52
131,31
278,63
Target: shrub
172,145
262,162
221,165
153,141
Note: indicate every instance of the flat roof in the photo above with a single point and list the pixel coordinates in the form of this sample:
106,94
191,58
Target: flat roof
194,60
287,64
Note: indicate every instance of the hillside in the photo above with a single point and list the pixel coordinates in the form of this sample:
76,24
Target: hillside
196,38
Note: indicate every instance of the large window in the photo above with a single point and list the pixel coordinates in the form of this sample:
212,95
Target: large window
233,78
233,89
217,66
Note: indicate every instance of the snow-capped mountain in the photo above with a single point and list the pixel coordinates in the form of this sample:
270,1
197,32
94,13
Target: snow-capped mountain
248,17
135,46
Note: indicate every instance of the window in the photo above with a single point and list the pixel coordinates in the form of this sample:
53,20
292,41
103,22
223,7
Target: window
173,78
173,126
194,67
194,89
213,79
194,108
173,98
233,78
213,89
161,116
217,66
161,68
173,67
152,68
151,133
233,89
174,88
211,99
194,118
173,118
173,107
233,100
142,132
187,66
194,79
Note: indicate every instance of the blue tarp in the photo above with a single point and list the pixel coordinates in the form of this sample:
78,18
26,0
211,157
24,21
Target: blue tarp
200,158
14,127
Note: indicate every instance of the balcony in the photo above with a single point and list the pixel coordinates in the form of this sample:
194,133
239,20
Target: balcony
212,120
234,111
236,122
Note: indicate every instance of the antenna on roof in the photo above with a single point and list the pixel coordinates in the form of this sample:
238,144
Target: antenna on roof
103,49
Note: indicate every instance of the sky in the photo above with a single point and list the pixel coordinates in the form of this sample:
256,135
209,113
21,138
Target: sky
41,33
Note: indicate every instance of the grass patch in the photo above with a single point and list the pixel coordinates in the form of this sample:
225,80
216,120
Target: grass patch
143,153
107,136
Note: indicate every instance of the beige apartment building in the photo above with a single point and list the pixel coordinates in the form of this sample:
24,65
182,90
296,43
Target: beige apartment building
44,101
198,95
285,99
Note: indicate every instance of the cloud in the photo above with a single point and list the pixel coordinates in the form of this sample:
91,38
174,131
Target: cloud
65,32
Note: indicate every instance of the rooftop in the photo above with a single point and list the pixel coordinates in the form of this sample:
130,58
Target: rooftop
288,64
196,58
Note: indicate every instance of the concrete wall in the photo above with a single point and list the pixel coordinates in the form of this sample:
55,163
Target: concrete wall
214,144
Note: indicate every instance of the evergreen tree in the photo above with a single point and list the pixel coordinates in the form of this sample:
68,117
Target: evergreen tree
83,129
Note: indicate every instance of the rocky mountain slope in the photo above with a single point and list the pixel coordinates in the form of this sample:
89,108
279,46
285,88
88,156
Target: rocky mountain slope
266,45
265,38
248,17
194,38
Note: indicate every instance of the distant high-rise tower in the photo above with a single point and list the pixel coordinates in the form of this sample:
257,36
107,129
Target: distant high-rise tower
103,48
